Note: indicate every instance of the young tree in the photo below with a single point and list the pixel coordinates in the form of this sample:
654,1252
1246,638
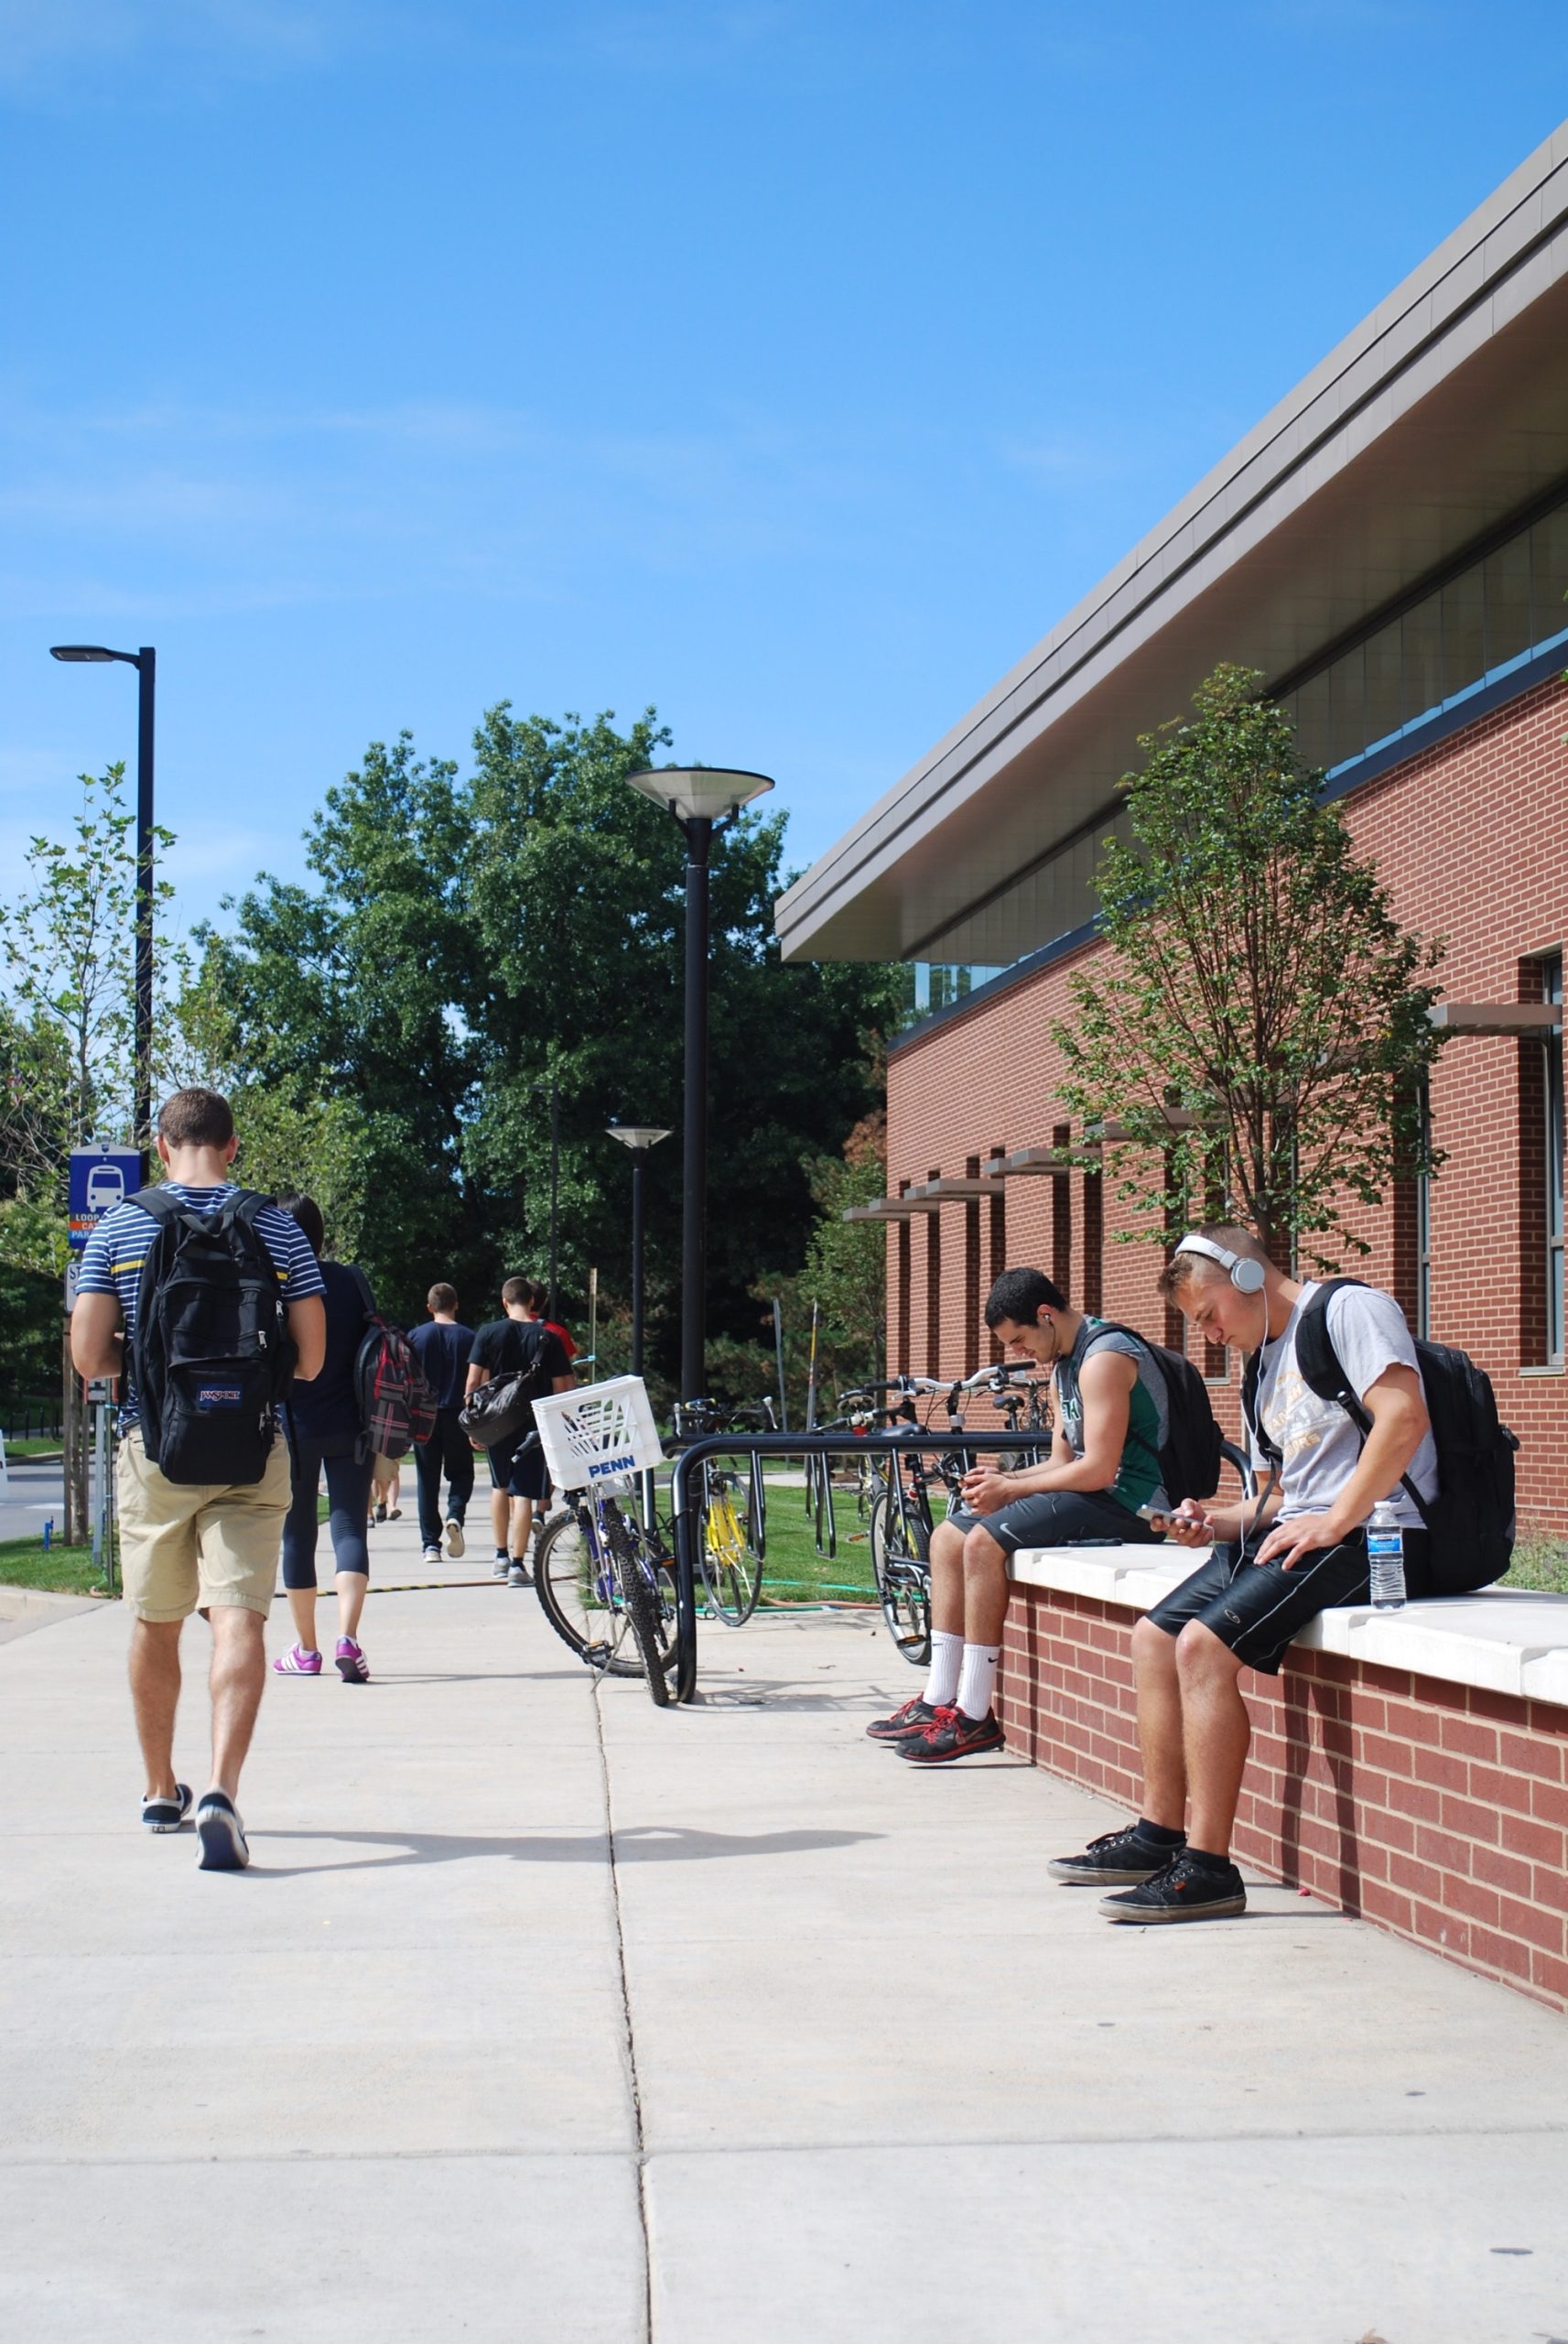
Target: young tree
1258,981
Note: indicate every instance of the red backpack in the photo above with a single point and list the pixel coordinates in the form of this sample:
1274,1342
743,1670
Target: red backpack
397,1407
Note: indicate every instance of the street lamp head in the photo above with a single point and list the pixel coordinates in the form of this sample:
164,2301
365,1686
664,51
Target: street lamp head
699,793
88,651
637,1135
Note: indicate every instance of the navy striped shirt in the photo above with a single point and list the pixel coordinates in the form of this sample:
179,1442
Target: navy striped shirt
112,1263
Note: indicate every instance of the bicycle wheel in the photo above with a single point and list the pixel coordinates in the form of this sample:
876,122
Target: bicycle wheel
732,1568
640,1605
904,1581
580,1599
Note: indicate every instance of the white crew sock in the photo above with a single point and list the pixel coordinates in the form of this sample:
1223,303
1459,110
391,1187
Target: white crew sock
977,1680
942,1677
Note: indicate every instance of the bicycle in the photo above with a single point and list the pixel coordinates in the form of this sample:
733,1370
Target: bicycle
732,1530
608,1592
902,1518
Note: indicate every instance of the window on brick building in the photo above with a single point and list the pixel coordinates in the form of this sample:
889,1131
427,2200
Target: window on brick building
1552,1086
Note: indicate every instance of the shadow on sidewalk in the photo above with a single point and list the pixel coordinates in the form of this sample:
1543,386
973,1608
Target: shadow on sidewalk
644,1843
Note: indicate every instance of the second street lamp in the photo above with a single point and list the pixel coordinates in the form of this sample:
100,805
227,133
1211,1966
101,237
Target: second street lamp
639,1138
145,662
701,798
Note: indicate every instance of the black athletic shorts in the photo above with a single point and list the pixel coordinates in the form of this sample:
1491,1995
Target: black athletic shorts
1055,1518
520,1477
1258,1608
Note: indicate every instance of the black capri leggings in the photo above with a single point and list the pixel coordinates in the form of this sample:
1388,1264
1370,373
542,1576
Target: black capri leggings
348,1502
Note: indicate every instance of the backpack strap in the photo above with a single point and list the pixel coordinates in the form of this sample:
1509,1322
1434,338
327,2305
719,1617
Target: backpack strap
1323,1373
365,1292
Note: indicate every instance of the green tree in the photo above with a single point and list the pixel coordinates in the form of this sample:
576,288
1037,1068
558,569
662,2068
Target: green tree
466,944
1259,982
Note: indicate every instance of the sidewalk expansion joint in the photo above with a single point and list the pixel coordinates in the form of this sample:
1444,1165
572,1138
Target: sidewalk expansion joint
633,2084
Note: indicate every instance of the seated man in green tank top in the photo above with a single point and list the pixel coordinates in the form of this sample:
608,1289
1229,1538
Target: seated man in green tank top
1112,1418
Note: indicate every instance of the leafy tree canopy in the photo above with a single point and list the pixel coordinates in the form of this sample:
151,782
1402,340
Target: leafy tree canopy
467,943
1258,980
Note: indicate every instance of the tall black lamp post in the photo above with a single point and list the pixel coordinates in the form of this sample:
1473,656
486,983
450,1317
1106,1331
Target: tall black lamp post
639,1138
145,662
703,800
553,1088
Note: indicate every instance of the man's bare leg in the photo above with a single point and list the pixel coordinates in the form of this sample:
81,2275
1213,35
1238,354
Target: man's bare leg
155,1696
522,1523
986,1588
238,1676
1160,1736
948,1579
499,1518
1217,1734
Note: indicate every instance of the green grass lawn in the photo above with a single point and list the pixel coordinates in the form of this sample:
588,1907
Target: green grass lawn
1540,1562
64,1571
34,1447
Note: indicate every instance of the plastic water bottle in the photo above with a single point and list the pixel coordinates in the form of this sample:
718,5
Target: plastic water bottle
1386,1556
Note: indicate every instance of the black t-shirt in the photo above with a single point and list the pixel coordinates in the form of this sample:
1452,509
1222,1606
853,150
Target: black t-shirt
443,1352
503,1345
327,1408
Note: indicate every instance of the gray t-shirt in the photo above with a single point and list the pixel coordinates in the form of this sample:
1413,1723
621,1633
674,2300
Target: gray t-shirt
1320,1445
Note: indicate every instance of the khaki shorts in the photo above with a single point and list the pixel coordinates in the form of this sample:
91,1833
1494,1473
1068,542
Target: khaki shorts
185,1548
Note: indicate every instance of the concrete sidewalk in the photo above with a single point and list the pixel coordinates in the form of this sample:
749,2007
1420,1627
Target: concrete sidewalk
545,2014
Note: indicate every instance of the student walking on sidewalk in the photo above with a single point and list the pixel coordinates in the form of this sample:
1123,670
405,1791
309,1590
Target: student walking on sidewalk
324,1419
442,1350
202,1535
500,1347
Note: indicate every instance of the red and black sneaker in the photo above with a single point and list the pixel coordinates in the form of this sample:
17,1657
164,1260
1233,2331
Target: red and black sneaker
952,1735
903,1724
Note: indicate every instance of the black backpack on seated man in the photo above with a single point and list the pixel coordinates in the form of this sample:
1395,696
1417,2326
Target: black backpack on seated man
1190,1454
211,1358
1471,1525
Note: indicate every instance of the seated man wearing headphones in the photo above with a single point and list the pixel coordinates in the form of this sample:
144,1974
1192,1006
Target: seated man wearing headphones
1276,1562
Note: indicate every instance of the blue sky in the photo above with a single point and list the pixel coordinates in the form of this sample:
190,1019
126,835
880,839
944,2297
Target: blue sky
792,364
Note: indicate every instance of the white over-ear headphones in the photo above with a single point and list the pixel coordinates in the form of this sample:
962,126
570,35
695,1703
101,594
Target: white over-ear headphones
1246,1274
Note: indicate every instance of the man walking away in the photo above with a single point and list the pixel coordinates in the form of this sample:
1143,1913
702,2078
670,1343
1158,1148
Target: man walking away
500,1347
209,1545
442,1348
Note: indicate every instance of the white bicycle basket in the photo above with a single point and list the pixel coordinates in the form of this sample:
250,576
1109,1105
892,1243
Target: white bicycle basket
598,1437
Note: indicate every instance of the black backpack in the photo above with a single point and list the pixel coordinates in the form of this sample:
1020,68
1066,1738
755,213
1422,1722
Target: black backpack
1472,1527
213,1356
1189,1457
499,1413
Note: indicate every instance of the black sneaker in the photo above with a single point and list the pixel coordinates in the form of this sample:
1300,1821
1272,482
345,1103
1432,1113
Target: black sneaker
952,1735
1183,1891
220,1835
1116,1860
167,1814
903,1724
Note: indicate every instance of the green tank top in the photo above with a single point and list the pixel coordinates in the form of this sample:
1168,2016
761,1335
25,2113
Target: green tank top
1138,1478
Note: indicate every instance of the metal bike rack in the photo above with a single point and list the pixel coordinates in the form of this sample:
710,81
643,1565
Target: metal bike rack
788,1444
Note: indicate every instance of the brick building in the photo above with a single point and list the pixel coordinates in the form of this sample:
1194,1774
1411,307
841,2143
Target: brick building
1389,547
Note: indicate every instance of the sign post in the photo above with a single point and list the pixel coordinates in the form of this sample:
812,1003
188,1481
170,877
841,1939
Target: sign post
102,1177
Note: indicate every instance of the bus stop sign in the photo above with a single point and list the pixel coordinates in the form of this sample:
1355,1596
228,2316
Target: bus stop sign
100,1177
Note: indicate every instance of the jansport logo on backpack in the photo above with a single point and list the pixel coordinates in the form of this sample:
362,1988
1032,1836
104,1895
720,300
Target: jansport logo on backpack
1472,1527
1189,1456
213,1356
397,1407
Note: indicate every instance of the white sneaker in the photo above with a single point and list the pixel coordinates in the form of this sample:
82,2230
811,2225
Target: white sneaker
429,1554
456,1542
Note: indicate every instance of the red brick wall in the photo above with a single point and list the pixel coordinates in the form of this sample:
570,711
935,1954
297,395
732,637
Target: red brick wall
1437,1810
1472,839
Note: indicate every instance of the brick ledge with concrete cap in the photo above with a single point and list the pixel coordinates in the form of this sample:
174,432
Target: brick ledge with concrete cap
1506,1639
1412,1768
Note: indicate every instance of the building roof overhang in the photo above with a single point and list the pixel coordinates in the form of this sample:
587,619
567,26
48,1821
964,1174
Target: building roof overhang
1438,417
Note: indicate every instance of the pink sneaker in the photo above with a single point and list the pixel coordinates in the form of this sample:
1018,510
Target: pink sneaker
350,1660
298,1662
